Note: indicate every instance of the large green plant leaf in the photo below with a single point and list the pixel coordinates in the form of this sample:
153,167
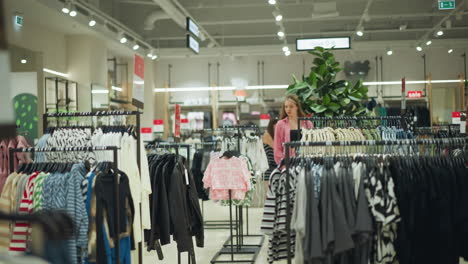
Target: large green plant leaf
345,101
334,107
318,108
326,99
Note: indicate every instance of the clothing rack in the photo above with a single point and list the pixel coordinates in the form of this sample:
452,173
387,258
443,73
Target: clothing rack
86,149
295,144
351,119
137,115
175,146
228,246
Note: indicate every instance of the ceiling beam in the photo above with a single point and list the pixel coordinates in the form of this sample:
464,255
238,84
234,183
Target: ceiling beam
392,16
439,25
138,2
314,34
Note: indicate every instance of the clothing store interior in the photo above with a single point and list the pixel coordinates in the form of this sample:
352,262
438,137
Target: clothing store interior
220,131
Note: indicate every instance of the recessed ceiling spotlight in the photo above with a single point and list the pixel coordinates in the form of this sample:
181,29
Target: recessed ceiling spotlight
285,48
389,52
287,53
278,16
428,42
73,12
450,51
418,48
272,2
92,23
440,33
136,47
24,61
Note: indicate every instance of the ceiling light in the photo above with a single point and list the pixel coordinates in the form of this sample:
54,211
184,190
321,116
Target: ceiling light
24,61
136,47
285,48
360,33
150,53
429,43
403,27
440,33
73,12
117,88
277,15
92,23
123,40
418,48
272,2
154,57
287,53
99,91
280,34
450,51
66,8
389,52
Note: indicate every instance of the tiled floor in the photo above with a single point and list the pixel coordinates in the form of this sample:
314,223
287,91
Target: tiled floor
214,239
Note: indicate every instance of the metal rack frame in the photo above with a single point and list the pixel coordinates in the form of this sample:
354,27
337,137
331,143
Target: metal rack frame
86,149
289,145
176,146
240,247
137,115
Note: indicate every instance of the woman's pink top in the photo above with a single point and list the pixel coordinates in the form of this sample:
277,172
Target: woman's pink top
283,134
223,175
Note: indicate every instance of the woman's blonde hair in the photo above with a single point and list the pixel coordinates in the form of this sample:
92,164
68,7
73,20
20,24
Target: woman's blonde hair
295,100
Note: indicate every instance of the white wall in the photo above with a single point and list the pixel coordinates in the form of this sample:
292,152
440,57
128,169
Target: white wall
193,72
23,82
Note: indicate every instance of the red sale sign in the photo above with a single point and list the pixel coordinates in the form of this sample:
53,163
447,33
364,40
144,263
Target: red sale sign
414,94
177,121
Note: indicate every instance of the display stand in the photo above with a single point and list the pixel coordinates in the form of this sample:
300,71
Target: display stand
240,247
176,147
137,115
116,182
299,144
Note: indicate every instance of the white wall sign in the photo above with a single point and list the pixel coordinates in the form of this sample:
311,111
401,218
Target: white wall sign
192,27
193,44
326,43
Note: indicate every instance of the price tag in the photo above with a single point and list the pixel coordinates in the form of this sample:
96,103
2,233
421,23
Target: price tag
158,126
456,117
146,133
184,124
264,120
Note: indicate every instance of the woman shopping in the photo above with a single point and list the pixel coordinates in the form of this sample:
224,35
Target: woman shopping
290,112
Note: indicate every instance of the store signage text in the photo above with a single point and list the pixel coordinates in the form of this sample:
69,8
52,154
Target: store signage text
326,43
193,44
414,94
446,4
192,27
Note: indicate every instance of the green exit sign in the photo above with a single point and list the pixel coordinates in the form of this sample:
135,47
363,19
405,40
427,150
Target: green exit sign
19,20
446,5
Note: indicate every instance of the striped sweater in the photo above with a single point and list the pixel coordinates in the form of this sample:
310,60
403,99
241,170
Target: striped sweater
7,204
22,229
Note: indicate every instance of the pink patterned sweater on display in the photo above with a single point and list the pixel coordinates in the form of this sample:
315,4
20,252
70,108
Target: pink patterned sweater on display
223,175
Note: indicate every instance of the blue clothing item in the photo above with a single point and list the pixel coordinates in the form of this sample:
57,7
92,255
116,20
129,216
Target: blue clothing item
42,143
76,208
53,192
56,252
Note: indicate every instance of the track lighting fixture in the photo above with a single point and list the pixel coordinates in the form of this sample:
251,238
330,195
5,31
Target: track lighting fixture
122,38
440,33
360,33
92,22
66,8
73,11
272,2
24,61
136,46
450,51
154,57
280,34
418,48
285,48
428,42
287,53
389,52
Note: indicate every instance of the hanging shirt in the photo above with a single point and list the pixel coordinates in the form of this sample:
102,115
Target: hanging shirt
224,175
